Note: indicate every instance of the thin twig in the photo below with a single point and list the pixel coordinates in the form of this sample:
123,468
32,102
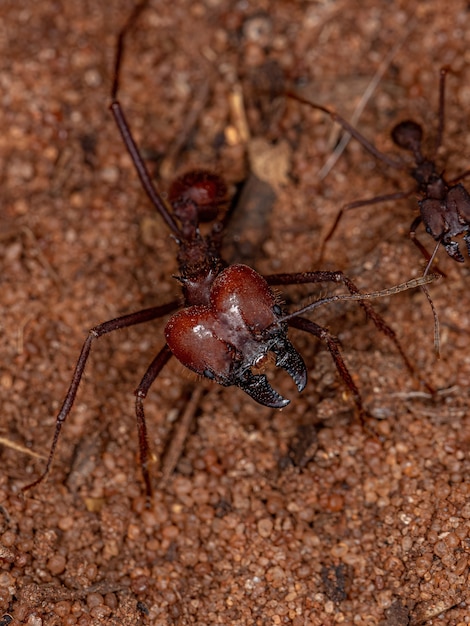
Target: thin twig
19,448
179,437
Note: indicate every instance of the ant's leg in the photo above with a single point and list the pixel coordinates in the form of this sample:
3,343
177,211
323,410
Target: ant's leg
150,375
140,317
332,344
460,177
416,222
120,45
399,195
339,277
349,128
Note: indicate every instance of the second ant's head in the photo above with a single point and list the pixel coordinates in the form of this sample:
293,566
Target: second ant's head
408,135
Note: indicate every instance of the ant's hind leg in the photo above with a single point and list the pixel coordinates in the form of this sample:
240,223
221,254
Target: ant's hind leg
150,375
303,278
332,345
140,317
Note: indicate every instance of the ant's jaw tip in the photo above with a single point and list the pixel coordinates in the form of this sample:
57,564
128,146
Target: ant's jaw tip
300,381
280,403
258,388
292,363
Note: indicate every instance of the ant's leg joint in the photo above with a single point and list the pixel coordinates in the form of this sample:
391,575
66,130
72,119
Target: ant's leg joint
466,238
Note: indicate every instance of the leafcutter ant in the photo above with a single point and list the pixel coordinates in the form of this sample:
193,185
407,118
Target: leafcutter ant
231,322
444,205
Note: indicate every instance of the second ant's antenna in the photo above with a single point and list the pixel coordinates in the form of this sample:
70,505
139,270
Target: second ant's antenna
437,334
366,96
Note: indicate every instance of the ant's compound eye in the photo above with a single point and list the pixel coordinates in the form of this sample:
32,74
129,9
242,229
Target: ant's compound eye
277,310
205,190
408,135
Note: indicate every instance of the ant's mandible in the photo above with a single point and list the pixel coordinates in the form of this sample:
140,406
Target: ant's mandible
444,206
231,320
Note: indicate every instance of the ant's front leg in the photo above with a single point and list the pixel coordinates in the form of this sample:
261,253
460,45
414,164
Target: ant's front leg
302,278
140,317
332,345
140,393
399,195
429,257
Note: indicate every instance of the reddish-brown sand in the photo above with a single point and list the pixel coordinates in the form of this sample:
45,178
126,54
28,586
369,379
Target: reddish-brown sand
297,516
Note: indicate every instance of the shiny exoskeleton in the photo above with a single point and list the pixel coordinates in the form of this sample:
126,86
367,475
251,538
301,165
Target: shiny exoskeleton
444,206
231,324
229,336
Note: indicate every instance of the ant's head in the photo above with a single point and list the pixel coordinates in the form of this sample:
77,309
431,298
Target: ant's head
408,135
198,196
230,339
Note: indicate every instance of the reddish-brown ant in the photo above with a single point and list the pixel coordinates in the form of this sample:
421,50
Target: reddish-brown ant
231,320
444,205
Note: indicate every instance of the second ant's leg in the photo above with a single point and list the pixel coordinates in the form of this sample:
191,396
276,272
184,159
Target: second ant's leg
339,119
140,317
399,195
150,375
414,225
416,222
338,277
332,344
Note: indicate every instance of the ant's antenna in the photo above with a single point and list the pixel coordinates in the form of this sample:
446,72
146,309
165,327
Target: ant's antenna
390,291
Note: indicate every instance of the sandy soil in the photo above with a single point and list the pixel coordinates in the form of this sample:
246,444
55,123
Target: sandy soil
299,516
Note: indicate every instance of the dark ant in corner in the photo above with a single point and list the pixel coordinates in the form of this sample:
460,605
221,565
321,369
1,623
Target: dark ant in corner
231,322
444,206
